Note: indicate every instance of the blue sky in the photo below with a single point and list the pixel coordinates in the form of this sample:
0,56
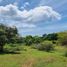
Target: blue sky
34,17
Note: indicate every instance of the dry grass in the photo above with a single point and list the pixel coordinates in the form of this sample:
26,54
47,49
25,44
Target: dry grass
29,63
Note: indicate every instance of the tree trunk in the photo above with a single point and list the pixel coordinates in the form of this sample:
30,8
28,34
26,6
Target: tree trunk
1,48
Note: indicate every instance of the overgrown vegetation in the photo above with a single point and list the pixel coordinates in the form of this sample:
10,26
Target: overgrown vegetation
51,46
45,46
46,42
65,54
8,35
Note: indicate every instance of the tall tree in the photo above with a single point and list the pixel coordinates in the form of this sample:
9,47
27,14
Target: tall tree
7,34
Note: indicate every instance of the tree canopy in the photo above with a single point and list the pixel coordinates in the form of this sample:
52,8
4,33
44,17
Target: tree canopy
7,35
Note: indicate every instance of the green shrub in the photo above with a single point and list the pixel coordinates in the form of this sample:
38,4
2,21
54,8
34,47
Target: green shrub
65,54
63,40
46,46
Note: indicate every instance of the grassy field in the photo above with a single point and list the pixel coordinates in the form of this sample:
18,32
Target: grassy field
29,57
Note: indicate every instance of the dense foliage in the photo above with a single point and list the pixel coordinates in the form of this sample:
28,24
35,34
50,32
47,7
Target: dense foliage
62,38
7,35
44,42
46,46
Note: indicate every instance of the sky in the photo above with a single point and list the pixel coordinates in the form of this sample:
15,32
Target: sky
34,17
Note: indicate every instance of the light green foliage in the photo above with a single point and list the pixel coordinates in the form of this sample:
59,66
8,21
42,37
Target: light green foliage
46,46
33,58
62,38
17,55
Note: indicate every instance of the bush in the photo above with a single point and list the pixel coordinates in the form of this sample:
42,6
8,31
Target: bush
46,46
65,54
63,40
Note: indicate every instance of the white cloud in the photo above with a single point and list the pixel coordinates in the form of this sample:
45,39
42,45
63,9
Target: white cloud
44,13
41,13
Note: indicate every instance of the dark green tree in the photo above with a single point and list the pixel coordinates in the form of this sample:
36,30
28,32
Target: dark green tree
28,40
52,36
7,35
37,39
2,39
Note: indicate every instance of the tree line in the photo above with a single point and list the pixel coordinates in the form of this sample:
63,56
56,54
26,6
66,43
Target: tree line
10,35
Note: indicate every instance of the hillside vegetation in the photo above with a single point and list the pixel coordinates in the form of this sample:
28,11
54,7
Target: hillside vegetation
48,50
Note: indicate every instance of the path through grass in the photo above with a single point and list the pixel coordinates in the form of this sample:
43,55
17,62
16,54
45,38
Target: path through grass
33,58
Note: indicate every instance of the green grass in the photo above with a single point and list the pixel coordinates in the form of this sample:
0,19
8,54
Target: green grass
29,57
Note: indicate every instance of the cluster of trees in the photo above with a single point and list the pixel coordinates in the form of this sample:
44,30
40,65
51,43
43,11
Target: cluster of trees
10,35
60,38
47,41
29,40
